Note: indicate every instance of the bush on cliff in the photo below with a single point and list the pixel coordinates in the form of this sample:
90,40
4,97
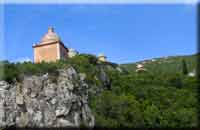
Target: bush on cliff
11,71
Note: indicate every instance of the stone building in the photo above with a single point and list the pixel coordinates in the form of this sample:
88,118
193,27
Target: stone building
72,52
102,58
50,48
140,68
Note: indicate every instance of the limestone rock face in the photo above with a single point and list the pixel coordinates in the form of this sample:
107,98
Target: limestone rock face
7,104
39,101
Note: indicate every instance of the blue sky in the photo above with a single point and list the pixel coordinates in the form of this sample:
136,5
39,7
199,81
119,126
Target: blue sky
124,33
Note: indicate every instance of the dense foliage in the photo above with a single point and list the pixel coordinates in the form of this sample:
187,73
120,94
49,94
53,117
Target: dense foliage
144,101
162,96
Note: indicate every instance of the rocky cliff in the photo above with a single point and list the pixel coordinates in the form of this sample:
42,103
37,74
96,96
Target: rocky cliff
60,100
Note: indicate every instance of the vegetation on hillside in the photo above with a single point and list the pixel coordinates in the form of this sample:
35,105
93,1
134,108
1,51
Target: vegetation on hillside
143,100
165,65
162,96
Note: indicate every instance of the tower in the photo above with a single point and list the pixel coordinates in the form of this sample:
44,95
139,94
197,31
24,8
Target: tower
50,48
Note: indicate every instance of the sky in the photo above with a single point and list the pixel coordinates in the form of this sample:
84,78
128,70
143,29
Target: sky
124,33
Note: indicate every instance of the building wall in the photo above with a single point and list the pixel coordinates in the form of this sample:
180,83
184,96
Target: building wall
46,53
102,59
63,52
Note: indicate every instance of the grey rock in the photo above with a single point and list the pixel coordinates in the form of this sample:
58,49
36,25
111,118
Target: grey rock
38,102
37,117
82,76
65,123
4,85
71,73
77,119
19,99
119,69
22,120
62,111
2,113
53,101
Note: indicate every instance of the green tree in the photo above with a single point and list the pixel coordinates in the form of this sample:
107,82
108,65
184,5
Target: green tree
184,67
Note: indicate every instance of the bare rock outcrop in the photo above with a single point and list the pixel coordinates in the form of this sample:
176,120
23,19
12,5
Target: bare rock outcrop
40,101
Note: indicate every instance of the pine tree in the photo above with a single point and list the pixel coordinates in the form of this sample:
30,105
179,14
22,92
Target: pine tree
184,68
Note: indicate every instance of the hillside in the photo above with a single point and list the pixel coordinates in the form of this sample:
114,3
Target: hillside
167,65
82,92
